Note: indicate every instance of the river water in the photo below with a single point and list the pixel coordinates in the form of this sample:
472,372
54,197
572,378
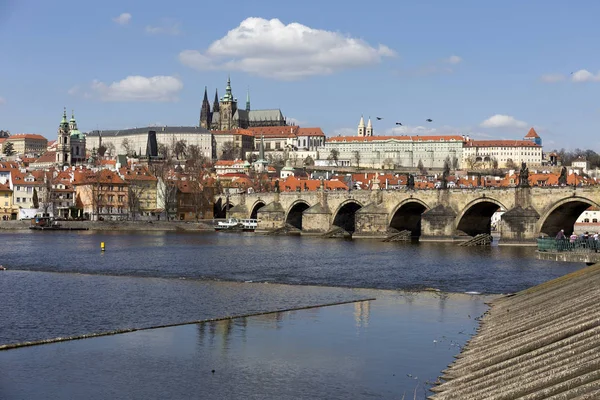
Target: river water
59,284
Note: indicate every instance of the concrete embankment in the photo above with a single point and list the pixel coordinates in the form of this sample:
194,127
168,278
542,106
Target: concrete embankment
119,225
541,343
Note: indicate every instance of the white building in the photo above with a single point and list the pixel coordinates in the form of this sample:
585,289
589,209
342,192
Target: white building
485,152
136,139
394,151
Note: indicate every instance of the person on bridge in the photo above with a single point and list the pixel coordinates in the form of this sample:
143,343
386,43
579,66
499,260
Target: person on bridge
561,234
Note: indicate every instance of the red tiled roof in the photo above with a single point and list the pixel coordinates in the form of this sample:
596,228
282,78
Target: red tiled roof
49,156
414,138
274,131
27,136
532,134
310,132
501,143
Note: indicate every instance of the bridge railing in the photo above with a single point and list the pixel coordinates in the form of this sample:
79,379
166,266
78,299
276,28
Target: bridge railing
578,245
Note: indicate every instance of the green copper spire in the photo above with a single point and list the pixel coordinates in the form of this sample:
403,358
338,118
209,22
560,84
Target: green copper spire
248,99
72,115
64,118
228,96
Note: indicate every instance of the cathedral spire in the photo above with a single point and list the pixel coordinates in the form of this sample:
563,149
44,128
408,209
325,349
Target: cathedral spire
228,95
216,102
64,118
205,115
248,99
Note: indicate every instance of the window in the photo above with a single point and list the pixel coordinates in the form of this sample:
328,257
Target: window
595,220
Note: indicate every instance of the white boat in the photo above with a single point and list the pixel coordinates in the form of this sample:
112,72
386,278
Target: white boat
228,224
234,224
249,225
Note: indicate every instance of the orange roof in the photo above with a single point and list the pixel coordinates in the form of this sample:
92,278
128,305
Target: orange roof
501,143
274,131
244,132
105,176
310,132
137,173
49,156
228,163
415,138
532,134
5,186
27,136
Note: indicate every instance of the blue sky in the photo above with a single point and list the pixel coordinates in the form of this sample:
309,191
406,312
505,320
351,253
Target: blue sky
121,64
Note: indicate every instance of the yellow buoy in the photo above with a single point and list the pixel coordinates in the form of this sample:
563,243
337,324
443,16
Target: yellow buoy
102,246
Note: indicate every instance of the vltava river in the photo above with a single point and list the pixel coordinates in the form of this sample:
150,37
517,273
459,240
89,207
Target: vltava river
60,284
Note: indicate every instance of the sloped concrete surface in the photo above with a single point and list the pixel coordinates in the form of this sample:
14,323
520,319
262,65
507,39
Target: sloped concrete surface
541,343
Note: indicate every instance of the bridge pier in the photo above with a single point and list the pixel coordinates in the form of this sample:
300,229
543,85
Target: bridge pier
316,220
519,227
271,216
371,222
437,224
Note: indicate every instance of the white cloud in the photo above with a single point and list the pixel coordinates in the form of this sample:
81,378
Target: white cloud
167,27
123,19
272,49
503,121
74,90
139,88
583,75
552,78
453,60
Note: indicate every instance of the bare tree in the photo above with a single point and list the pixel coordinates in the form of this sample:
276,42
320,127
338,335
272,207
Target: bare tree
166,189
421,168
334,156
47,195
471,162
110,148
308,161
510,164
164,151
135,192
101,150
357,158
179,149
454,162
126,146
228,151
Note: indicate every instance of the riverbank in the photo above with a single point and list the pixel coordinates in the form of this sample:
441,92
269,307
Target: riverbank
119,225
538,343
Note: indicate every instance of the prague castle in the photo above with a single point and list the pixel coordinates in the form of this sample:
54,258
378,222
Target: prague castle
226,115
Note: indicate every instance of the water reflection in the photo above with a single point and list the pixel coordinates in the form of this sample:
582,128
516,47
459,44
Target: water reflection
305,354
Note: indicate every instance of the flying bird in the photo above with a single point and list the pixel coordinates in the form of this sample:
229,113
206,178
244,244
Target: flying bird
399,123
429,120
379,118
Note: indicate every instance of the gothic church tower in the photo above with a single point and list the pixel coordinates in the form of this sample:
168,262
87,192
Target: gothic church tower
205,114
227,108
63,145
361,127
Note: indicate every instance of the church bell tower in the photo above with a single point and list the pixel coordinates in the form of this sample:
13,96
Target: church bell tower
63,145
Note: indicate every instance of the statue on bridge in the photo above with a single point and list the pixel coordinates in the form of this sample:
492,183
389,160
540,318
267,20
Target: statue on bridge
445,175
410,181
562,179
524,176
277,186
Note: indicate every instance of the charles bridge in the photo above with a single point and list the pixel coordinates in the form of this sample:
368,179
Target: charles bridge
430,214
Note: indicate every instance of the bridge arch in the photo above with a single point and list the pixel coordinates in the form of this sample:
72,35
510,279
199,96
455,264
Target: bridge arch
258,204
345,215
294,214
563,214
220,208
476,217
407,216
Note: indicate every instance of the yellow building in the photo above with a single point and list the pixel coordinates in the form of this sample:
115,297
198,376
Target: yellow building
7,210
27,143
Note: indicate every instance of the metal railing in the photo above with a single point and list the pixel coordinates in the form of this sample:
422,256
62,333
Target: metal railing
578,245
